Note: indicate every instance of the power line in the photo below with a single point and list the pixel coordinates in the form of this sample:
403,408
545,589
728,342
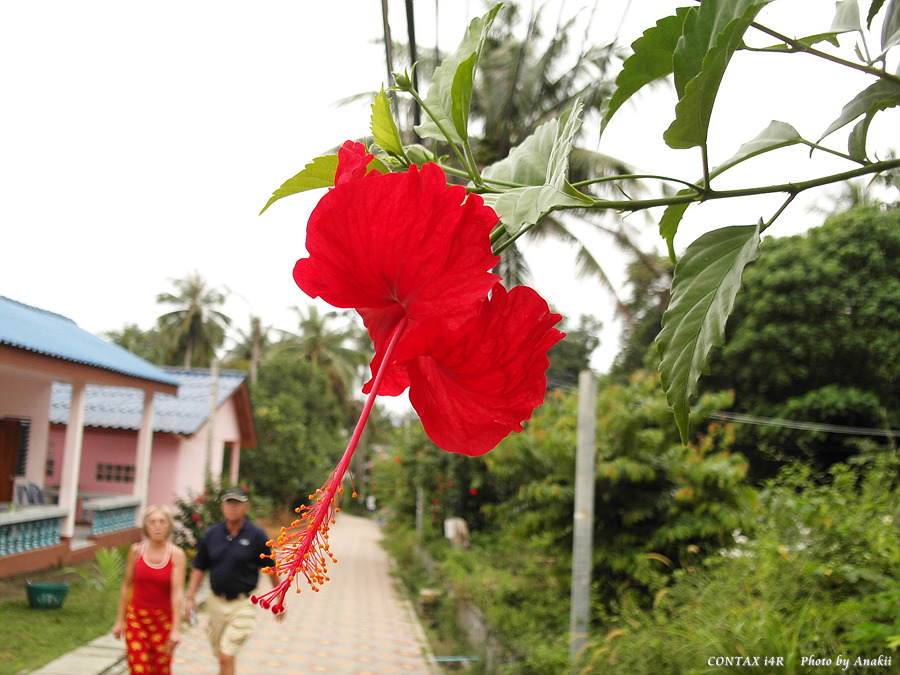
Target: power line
742,418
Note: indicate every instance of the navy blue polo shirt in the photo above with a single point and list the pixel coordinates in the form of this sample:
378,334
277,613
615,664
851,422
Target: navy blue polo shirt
233,562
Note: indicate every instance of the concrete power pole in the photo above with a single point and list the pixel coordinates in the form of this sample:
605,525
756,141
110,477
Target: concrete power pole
582,547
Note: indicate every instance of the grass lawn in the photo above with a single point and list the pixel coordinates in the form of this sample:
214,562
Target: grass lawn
34,637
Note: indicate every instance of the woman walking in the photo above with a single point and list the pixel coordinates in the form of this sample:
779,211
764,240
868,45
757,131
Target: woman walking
151,598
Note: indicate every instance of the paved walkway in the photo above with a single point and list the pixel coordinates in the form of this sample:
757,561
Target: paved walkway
358,624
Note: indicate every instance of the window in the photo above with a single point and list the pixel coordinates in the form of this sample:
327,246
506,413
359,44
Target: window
115,473
22,450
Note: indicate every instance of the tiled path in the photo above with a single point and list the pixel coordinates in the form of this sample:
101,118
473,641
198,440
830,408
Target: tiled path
357,624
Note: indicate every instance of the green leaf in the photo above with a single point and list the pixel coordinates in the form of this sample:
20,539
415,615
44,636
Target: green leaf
878,96
890,29
651,60
451,87
707,280
874,7
542,163
856,141
846,17
776,135
318,173
521,208
384,129
671,218
463,81
846,20
712,33
526,163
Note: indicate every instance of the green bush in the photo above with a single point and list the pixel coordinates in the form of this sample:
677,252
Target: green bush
817,577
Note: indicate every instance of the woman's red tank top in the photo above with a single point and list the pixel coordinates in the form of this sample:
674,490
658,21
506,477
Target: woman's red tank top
152,583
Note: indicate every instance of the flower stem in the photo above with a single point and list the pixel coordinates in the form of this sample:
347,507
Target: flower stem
303,547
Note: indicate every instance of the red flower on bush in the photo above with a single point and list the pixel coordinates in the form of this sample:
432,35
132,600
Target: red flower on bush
412,256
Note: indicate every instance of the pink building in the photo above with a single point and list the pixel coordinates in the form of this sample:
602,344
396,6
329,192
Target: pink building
189,432
90,434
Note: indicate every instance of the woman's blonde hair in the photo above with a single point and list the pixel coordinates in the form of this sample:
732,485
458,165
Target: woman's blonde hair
163,509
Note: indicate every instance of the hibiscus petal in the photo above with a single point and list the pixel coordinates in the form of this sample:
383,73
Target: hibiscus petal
474,385
399,244
352,162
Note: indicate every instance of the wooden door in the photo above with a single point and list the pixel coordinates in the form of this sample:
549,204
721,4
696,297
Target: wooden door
9,451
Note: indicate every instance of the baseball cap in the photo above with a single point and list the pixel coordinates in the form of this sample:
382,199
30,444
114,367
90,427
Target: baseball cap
235,493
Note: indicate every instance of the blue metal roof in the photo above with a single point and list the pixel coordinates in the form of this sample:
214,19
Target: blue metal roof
42,332
122,407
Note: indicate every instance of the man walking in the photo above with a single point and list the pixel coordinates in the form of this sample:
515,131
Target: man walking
231,552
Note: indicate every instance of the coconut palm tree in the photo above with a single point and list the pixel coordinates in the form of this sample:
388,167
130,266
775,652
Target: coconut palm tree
524,80
196,329
336,350
252,347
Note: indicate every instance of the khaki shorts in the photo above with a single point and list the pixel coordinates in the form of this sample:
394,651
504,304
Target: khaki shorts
230,623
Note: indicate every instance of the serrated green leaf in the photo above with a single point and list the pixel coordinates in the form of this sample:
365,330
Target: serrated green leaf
384,129
671,218
707,280
318,173
846,17
874,98
856,141
419,154
712,33
776,135
890,29
463,82
448,99
522,207
558,163
651,60
542,163
874,7
526,163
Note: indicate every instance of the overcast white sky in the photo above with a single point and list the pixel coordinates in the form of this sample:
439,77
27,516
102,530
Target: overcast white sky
139,139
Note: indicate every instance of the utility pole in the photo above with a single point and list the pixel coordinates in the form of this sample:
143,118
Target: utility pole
583,544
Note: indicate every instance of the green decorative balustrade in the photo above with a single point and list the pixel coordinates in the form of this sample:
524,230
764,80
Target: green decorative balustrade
111,514
29,528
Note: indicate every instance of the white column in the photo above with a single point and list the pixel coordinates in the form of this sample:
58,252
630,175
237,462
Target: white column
583,520
144,451
71,468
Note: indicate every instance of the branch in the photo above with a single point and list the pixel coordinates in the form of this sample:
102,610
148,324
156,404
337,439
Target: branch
708,194
798,46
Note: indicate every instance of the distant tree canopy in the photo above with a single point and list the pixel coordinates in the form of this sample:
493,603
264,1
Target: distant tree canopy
815,334
573,354
300,429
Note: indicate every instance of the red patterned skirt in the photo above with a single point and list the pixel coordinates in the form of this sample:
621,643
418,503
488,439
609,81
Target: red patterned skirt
146,641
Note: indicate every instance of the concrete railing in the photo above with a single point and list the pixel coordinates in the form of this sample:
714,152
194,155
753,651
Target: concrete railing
29,528
111,514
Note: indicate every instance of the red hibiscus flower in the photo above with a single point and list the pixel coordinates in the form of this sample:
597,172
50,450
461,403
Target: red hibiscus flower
395,246
412,255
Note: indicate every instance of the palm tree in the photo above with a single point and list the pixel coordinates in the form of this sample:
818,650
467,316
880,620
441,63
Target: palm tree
338,351
252,347
520,86
148,344
196,329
